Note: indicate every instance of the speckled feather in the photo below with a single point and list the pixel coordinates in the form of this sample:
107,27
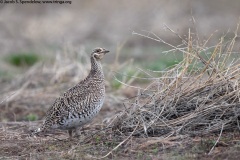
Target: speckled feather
79,104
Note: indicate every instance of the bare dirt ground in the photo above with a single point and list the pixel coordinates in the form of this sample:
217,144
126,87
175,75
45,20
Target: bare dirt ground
17,144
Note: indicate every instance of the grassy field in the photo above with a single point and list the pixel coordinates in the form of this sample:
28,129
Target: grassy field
172,92
183,105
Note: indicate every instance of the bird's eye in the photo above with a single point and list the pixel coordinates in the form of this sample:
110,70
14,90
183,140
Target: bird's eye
97,50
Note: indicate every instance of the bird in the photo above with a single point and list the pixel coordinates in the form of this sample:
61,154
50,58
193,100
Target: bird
80,104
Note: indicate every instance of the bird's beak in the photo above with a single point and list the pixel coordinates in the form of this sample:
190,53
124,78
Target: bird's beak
105,51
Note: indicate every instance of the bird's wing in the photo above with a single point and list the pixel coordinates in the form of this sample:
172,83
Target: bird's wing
75,99
55,114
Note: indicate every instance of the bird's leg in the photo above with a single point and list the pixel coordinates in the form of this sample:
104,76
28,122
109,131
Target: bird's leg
77,133
83,131
70,131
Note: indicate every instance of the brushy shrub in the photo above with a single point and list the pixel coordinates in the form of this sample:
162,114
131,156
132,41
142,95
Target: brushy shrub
199,95
32,117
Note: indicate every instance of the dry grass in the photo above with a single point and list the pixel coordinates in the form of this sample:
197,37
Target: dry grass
196,97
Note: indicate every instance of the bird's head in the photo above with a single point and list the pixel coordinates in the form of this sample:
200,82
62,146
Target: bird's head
98,53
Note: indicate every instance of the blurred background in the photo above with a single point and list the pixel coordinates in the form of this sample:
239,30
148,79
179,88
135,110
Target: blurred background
46,28
60,37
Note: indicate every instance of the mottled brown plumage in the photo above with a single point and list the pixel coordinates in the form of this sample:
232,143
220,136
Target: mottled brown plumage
79,104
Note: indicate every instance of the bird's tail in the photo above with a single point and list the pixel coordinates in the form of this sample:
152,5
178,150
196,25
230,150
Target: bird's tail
44,127
37,131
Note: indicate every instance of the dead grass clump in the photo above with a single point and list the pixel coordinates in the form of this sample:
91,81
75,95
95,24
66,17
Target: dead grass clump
199,95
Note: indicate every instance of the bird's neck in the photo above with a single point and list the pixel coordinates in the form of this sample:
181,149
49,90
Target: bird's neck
96,68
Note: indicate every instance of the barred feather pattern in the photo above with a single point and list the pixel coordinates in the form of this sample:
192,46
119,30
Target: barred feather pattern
79,104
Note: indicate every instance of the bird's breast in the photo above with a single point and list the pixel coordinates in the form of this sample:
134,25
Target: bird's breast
78,119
